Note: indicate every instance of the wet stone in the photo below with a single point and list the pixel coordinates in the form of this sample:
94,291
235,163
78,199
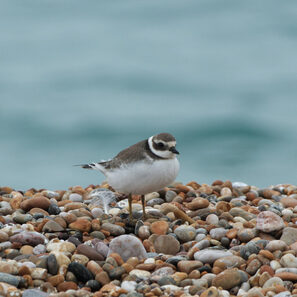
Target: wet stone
53,209
93,285
80,272
52,264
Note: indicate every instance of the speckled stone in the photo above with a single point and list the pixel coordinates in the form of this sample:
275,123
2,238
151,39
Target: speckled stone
127,246
30,238
268,221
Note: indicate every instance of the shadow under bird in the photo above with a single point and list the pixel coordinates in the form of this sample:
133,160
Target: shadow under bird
142,168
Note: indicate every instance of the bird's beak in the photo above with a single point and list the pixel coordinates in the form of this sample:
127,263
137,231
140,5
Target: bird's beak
173,150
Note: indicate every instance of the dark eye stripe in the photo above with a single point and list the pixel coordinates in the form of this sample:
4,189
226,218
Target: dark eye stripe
160,146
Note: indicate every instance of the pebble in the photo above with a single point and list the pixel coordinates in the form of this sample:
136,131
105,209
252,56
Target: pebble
229,278
89,252
166,244
185,233
113,229
289,235
27,237
210,255
268,221
34,293
80,272
159,227
140,274
35,202
127,246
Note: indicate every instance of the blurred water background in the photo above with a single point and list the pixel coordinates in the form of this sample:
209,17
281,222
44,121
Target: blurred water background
81,80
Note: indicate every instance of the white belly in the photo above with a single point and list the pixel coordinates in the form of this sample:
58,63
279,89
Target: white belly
142,178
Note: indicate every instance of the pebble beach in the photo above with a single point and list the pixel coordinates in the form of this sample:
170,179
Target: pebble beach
224,239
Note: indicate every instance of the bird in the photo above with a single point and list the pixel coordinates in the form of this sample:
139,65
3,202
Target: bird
145,167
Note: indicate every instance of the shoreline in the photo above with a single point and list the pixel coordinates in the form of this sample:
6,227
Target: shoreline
224,239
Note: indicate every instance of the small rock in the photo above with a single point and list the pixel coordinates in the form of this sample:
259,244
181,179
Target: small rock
34,293
35,202
272,282
229,262
93,285
27,237
114,230
289,235
10,279
159,227
81,224
210,255
128,285
127,246
212,219
90,252
54,209
170,195
276,245
188,266
52,264
268,221
52,226
75,197
185,233
217,233
167,244
229,278
141,274
80,272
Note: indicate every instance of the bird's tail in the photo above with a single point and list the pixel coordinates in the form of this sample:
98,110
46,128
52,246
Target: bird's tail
95,166
86,166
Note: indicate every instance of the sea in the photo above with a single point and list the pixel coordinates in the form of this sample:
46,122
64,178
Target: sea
82,80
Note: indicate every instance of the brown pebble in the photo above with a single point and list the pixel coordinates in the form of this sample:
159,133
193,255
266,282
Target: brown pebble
64,286
37,201
127,267
159,227
118,258
147,267
194,274
81,224
24,270
287,276
56,279
102,277
197,203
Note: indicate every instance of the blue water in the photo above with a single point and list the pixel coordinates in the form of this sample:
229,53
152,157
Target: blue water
81,80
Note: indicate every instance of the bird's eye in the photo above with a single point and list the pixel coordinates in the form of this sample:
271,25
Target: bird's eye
160,144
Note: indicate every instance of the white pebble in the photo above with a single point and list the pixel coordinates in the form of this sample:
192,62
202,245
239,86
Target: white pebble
275,265
114,211
128,285
149,261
